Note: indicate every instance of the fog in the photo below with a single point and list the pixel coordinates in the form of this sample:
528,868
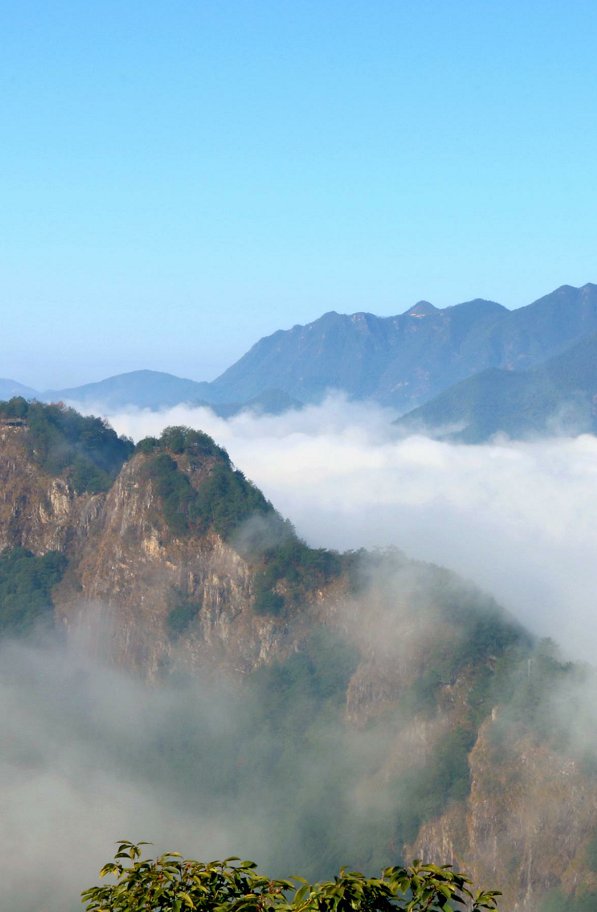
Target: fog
264,768
517,518
81,768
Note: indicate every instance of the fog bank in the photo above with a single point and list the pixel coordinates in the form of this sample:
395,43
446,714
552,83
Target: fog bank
518,518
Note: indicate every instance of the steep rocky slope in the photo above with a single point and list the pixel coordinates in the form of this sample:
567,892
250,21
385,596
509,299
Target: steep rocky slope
134,567
425,714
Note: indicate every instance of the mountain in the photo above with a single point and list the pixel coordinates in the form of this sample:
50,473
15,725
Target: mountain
10,388
401,361
548,326
157,390
392,359
142,388
269,402
560,396
383,708
406,360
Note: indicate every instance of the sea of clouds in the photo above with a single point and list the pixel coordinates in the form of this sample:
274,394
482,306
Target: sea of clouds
517,518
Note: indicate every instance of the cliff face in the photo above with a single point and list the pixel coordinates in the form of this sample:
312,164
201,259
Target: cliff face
129,568
526,823
131,571
128,571
527,796
496,797
38,511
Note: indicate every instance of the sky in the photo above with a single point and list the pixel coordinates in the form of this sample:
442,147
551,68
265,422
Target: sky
180,179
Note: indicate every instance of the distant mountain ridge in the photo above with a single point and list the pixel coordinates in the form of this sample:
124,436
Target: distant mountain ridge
143,388
394,360
400,361
151,390
559,396
405,360
10,388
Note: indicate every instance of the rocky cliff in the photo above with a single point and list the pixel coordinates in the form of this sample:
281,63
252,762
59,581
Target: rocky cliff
129,573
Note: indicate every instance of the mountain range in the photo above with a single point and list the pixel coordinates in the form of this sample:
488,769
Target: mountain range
157,390
558,397
493,369
405,360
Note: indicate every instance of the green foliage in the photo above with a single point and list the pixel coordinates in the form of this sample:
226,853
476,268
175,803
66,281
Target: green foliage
62,442
26,582
147,445
524,681
430,788
267,601
172,884
481,632
227,499
17,407
182,614
488,630
175,491
286,569
186,440
299,569
293,692
224,500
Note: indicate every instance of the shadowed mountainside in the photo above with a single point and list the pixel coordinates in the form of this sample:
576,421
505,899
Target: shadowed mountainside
400,361
405,360
558,397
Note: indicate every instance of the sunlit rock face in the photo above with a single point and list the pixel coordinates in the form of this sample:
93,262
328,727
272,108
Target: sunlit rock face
526,823
127,569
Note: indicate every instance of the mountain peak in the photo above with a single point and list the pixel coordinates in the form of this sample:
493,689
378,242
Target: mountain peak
479,306
421,309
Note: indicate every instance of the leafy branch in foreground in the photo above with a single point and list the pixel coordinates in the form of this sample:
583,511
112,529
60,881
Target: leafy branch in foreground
171,883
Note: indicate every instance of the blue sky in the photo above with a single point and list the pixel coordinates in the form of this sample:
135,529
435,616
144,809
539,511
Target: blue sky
181,178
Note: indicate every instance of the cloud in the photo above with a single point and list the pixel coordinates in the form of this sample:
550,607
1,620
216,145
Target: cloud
516,518
264,768
80,767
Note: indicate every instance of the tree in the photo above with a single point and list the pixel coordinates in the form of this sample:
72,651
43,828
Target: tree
170,883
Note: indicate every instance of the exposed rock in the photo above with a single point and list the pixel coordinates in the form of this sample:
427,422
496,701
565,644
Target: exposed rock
527,820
